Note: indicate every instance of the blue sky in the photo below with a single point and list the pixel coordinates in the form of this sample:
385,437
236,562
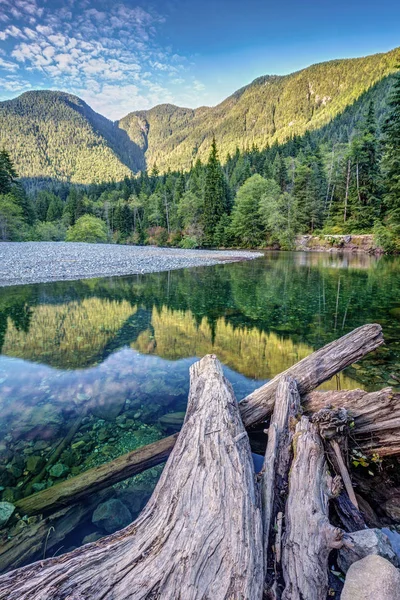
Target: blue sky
123,55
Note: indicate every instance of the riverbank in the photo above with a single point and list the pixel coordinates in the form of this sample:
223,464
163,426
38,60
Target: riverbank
39,262
338,243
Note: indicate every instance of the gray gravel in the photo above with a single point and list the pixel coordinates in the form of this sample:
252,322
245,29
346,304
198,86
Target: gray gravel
35,262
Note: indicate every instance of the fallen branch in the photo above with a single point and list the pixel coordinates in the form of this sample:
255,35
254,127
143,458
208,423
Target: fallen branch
313,370
199,536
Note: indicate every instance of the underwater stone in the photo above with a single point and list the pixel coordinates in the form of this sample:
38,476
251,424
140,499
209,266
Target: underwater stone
34,463
38,487
6,510
111,516
59,470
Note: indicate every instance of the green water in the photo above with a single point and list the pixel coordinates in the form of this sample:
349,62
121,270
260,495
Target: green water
114,354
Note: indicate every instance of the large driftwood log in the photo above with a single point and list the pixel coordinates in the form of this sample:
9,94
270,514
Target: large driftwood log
309,537
313,370
200,535
277,460
376,416
92,481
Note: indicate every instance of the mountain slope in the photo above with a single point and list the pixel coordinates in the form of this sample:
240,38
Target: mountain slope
270,109
57,135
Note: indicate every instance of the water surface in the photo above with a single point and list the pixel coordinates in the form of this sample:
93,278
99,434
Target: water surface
113,354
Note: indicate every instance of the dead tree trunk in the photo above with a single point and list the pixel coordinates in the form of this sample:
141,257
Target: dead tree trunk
200,534
313,370
309,537
376,417
275,472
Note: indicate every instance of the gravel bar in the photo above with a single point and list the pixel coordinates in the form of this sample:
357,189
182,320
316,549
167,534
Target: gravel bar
37,262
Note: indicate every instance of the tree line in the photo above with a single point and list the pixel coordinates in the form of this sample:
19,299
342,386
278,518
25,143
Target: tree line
255,198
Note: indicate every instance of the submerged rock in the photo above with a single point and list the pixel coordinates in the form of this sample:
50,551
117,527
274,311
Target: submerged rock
372,578
92,537
172,420
111,516
364,543
6,510
34,464
59,470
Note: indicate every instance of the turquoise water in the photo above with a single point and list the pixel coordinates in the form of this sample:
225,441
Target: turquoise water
113,354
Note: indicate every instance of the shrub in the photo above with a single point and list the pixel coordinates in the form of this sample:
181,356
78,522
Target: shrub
49,232
157,236
87,229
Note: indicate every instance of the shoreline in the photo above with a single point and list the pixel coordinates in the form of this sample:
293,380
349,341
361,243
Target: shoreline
24,263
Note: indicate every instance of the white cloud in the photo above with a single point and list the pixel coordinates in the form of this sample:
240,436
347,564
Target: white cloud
111,58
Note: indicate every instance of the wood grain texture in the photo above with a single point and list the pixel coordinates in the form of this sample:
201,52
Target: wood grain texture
278,455
313,370
376,416
309,537
200,535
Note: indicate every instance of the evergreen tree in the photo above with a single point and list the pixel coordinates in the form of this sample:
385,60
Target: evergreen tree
214,195
55,210
391,159
365,189
280,172
8,173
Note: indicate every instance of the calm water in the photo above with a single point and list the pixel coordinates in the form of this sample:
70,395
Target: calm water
112,355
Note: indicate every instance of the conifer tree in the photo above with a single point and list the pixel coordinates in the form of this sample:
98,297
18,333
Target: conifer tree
214,195
391,159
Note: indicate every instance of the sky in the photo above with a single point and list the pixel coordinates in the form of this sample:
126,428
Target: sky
125,55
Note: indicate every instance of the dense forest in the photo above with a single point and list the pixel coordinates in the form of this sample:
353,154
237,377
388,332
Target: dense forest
319,181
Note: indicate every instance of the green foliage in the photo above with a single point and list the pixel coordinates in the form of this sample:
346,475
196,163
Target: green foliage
49,232
215,202
391,161
87,229
246,222
11,218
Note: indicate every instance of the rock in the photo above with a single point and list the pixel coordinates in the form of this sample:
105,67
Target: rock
34,464
366,542
111,516
59,470
372,578
40,445
392,508
6,510
92,537
77,445
108,408
38,487
172,420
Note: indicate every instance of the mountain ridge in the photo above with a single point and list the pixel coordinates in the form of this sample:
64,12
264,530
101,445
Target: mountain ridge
56,135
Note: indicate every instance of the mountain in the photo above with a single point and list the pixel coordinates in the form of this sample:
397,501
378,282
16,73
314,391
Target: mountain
57,135
271,109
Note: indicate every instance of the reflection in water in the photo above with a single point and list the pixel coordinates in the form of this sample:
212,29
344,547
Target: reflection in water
115,353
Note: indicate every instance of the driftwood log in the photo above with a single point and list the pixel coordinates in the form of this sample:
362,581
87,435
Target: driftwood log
309,537
326,362
92,481
275,473
200,535
376,416
313,370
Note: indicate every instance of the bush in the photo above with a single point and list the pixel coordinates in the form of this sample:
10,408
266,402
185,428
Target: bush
87,229
49,232
386,238
189,243
157,236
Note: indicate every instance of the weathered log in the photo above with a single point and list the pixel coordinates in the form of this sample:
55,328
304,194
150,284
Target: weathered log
278,455
313,370
376,416
199,536
309,537
92,481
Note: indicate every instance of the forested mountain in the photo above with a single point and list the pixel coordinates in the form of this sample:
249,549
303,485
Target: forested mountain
271,109
56,135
